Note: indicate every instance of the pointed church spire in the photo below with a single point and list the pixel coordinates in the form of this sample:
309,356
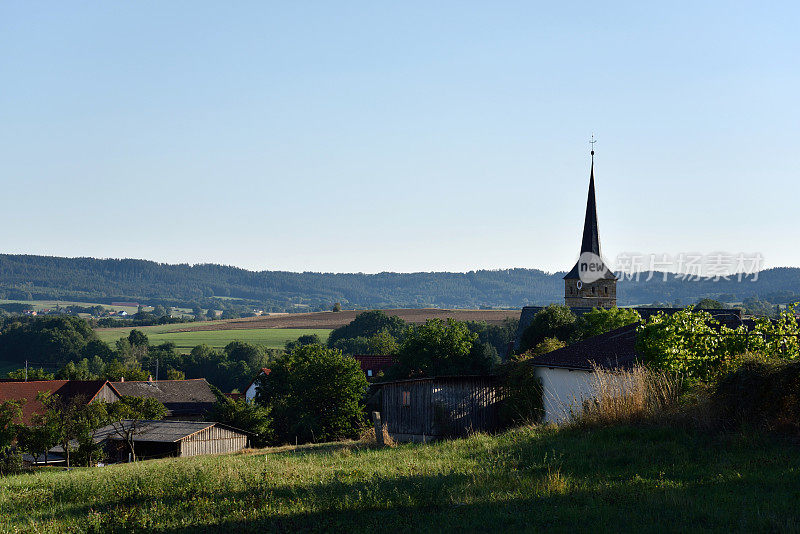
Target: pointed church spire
591,234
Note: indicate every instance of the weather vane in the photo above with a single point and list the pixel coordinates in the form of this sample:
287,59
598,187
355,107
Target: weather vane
591,143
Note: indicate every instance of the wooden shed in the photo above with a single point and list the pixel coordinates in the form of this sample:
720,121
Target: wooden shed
439,407
155,439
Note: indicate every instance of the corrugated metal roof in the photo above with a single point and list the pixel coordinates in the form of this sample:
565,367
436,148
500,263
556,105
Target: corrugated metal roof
447,378
167,431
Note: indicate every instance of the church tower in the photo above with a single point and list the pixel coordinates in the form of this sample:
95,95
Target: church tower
590,284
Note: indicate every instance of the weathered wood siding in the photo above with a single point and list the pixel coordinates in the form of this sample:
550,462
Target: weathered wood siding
212,440
106,394
441,407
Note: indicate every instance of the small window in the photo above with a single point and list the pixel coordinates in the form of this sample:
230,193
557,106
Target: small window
369,372
406,398
594,291
606,288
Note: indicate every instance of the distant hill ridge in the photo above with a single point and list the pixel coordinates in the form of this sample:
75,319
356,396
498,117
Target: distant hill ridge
26,277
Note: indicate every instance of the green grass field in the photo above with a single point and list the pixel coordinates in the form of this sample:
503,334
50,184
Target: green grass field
185,341
608,480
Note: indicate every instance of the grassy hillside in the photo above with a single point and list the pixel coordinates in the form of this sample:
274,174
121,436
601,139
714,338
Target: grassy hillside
614,479
185,341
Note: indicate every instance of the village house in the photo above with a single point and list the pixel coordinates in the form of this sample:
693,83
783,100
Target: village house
184,399
252,388
372,365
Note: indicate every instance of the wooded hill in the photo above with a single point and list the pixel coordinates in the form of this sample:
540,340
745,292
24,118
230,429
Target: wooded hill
25,277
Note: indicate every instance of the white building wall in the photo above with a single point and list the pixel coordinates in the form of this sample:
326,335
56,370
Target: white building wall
563,391
250,394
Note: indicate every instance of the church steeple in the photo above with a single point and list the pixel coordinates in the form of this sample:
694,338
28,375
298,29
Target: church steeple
590,283
591,235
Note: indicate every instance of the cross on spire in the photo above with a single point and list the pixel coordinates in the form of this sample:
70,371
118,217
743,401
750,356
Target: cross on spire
591,144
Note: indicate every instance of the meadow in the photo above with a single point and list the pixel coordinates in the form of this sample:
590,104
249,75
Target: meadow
185,341
643,479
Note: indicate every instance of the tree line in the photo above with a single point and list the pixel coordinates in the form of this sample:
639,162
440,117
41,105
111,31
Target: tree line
24,277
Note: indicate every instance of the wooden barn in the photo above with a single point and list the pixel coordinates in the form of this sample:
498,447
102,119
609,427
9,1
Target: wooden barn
439,407
154,439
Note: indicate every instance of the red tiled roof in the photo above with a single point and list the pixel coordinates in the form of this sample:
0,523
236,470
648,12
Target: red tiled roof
28,391
374,363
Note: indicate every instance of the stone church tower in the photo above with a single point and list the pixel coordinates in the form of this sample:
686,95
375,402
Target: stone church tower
590,284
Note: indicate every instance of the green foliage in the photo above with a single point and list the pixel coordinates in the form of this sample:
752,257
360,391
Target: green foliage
710,304
553,321
10,412
137,338
34,373
307,339
498,336
56,339
548,344
602,320
524,401
127,415
367,324
245,415
337,307
36,440
759,395
381,344
67,419
697,346
315,394
441,347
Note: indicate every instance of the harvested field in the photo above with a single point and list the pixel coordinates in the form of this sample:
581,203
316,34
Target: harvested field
330,320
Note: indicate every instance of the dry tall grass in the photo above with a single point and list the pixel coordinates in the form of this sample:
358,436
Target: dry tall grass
368,437
634,396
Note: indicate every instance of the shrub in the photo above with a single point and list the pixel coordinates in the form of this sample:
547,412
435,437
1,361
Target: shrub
553,321
315,394
759,394
523,397
601,320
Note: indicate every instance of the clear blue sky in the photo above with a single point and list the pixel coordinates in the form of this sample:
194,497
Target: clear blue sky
346,136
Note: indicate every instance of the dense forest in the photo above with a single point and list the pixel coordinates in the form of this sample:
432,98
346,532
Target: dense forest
24,277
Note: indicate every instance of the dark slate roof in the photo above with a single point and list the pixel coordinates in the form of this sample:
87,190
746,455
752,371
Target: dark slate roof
180,397
27,391
591,232
612,350
164,431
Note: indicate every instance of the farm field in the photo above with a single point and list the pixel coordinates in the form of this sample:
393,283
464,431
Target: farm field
331,320
185,341
623,479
